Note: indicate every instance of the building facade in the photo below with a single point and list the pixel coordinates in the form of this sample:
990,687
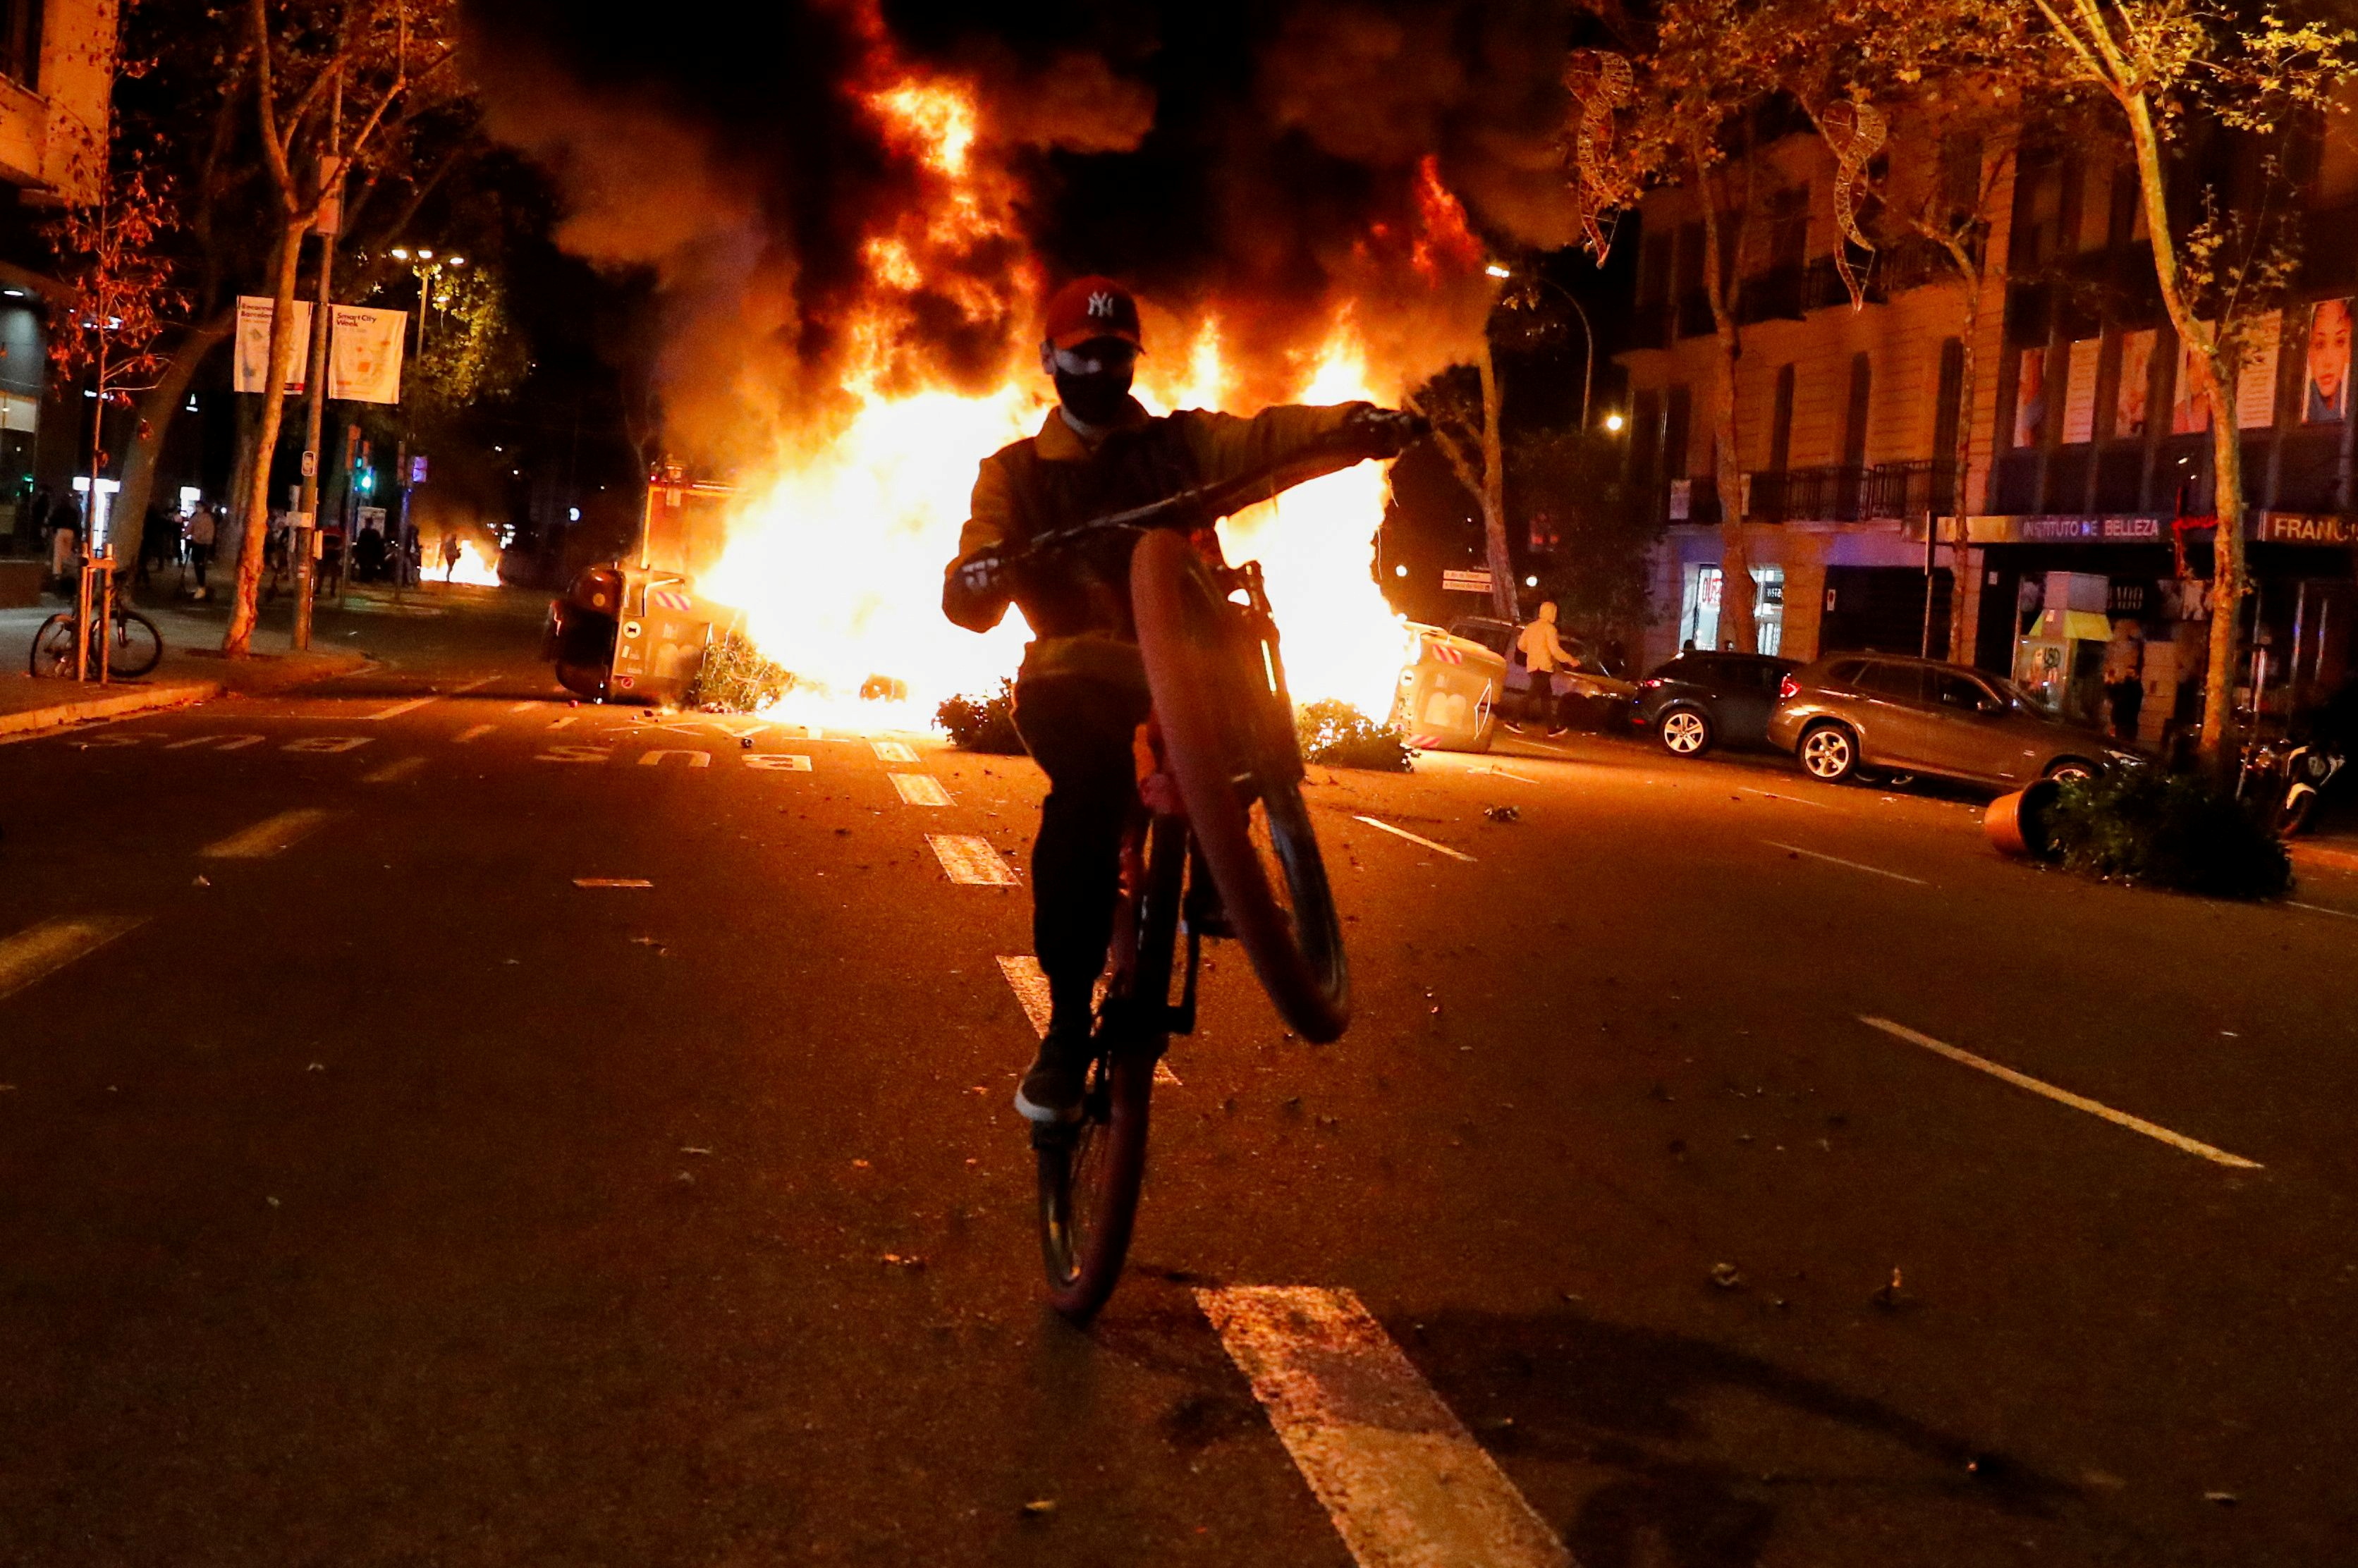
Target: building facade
2086,494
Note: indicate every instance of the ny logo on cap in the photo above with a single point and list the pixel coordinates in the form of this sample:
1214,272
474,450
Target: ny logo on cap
1101,304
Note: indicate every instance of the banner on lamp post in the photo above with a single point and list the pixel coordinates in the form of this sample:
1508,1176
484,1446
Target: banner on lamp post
364,353
253,370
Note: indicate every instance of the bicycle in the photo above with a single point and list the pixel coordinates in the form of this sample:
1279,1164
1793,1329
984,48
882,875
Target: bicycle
1219,844
130,647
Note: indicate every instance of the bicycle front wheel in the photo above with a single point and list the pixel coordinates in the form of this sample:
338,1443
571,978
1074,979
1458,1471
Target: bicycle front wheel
137,648
1231,748
53,646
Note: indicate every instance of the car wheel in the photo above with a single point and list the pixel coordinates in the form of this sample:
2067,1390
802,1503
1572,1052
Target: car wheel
2070,768
1684,733
1829,753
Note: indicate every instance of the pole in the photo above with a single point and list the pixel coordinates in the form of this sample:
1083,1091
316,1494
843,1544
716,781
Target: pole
306,532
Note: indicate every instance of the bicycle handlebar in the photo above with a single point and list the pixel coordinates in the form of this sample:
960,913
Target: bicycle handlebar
1206,505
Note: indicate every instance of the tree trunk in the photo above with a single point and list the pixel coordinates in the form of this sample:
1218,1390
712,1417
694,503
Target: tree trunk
254,509
2228,583
1961,462
1494,494
1736,601
152,424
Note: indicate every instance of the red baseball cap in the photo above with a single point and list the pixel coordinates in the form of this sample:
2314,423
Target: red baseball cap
1089,309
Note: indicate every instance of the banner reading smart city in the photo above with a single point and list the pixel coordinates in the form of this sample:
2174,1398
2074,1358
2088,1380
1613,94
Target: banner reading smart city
363,351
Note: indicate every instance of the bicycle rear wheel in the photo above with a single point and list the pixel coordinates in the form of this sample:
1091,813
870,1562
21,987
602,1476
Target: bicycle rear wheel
53,646
1231,747
138,647
1091,1172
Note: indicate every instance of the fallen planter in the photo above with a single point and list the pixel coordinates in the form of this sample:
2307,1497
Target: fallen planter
2020,823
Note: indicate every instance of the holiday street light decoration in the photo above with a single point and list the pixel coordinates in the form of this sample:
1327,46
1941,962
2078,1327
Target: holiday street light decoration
1856,132
1600,81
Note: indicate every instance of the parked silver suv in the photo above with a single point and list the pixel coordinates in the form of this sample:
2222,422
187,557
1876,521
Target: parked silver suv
1852,711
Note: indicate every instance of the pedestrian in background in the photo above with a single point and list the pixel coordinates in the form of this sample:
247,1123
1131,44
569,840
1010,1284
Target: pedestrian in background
65,541
2124,676
1544,654
201,533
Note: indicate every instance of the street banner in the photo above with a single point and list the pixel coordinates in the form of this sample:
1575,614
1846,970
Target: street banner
254,345
2079,390
364,355
2136,384
2255,394
2325,392
363,351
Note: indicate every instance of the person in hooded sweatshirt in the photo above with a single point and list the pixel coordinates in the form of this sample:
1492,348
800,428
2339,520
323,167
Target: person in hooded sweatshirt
1543,654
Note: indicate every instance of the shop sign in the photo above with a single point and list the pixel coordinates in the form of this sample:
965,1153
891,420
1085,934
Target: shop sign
2306,528
2091,530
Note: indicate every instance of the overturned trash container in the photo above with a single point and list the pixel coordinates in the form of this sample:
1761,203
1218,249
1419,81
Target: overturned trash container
1448,693
629,634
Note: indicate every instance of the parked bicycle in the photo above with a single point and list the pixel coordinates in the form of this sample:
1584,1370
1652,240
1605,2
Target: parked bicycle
1220,845
120,642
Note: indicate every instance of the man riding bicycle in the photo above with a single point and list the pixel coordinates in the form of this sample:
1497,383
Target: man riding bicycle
1081,694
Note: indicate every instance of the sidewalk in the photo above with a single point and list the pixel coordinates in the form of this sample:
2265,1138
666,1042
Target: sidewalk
193,670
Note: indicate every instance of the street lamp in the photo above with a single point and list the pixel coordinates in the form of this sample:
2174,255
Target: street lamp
428,270
1613,423
1588,378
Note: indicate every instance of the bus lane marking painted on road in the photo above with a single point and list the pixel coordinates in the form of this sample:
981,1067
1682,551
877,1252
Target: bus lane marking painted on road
271,836
574,754
393,771
919,789
2061,1096
893,751
398,708
1405,1484
1788,799
1838,861
1029,982
38,951
473,733
778,761
1404,833
970,861
695,759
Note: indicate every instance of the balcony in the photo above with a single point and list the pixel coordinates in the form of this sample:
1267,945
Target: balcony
1839,494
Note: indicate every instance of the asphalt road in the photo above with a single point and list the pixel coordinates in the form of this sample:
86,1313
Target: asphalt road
373,1191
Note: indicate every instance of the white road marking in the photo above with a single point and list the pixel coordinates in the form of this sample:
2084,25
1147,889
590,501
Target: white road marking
1788,799
1030,984
611,882
574,754
326,745
1506,774
1838,861
1405,1484
473,733
1559,751
966,859
266,837
398,708
1404,833
695,759
38,951
393,771
2320,909
227,742
2061,1096
560,723
471,685
778,761
524,707
919,789
893,751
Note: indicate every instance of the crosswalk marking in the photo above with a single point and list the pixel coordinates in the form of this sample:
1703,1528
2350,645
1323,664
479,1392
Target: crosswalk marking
893,751
266,837
218,742
1414,839
1404,1483
395,770
474,733
38,951
398,708
2061,1096
1029,982
919,789
969,859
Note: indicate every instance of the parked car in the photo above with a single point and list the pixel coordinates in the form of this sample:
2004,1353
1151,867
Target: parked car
1853,710
1699,700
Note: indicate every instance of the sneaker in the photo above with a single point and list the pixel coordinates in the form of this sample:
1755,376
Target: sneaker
1514,725
1052,1089
1559,729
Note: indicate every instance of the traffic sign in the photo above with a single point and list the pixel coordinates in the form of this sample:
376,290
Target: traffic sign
1465,582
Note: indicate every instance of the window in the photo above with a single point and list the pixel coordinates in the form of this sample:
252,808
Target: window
20,41
1700,600
1905,682
1845,672
1962,692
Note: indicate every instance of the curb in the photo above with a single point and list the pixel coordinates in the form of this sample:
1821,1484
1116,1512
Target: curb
2318,854
57,715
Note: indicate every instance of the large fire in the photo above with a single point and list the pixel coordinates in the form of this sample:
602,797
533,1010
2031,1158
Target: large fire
836,559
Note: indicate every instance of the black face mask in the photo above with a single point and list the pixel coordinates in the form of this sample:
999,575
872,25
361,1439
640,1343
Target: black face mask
1096,399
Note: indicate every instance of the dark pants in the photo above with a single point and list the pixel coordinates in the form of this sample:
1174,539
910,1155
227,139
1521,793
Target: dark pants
1080,731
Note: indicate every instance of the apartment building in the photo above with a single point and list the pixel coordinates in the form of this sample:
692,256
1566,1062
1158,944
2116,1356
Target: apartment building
2087,492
